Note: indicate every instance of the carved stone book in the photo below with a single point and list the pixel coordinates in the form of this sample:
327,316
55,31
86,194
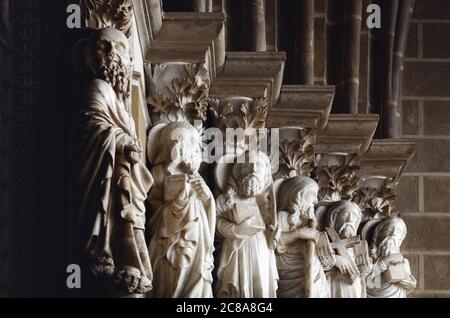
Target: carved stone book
396,273
244,210
173,185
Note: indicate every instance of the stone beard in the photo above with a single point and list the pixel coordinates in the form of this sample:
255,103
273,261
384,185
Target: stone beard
247,265
184,217
391,275
296,199
114,180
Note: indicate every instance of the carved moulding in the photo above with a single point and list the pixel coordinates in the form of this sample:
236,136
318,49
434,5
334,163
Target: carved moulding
116,14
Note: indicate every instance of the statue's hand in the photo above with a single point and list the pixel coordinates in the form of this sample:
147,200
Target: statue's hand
305,233
346,266
248,227
407,284
200,187
133,157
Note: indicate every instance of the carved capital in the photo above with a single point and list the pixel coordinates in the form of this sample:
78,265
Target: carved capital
179,92
297,156
100,14
336,176
377,200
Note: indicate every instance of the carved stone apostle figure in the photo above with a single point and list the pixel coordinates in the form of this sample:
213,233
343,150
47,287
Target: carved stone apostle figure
114,180
300,270
245,212
184,215
391,274
347,278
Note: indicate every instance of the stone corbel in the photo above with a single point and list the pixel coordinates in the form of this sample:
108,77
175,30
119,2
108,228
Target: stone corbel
300,113
380,171
338,151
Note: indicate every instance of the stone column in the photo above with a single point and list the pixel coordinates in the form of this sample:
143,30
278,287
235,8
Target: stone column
304,42
343,52
199,5
256,25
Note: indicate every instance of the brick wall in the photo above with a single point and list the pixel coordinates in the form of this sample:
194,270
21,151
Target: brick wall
424,197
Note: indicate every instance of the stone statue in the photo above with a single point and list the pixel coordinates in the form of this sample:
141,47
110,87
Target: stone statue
184,214
114,180
347,278
391,274
300,270
246,222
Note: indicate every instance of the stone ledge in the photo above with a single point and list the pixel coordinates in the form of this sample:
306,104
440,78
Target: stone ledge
302,106
256,65
386,157
347,134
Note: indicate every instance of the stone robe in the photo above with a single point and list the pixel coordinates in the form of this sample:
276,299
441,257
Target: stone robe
291,267
377,288
247,266
182,245
341,286
112,216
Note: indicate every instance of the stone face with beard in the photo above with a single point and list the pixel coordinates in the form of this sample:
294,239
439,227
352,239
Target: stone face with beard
247,265
391,275
344,279
114,61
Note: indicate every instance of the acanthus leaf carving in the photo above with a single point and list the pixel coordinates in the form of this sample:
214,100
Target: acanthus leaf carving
337,182
297,156
183,97
246,114
377,202
100,14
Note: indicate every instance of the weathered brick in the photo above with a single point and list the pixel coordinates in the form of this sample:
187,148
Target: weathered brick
436,118
436,40
408,194
426,78
410,117
432,155
415,269
431,9
425,294
437,273
427,234
437,194
412,43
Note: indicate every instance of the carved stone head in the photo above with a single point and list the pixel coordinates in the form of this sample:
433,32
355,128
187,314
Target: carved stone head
345,217
298,195
111,60
388,237
251,174
181,146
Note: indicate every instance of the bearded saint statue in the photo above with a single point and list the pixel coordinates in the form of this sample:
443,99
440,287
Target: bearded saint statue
391,274
247,264
114,179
